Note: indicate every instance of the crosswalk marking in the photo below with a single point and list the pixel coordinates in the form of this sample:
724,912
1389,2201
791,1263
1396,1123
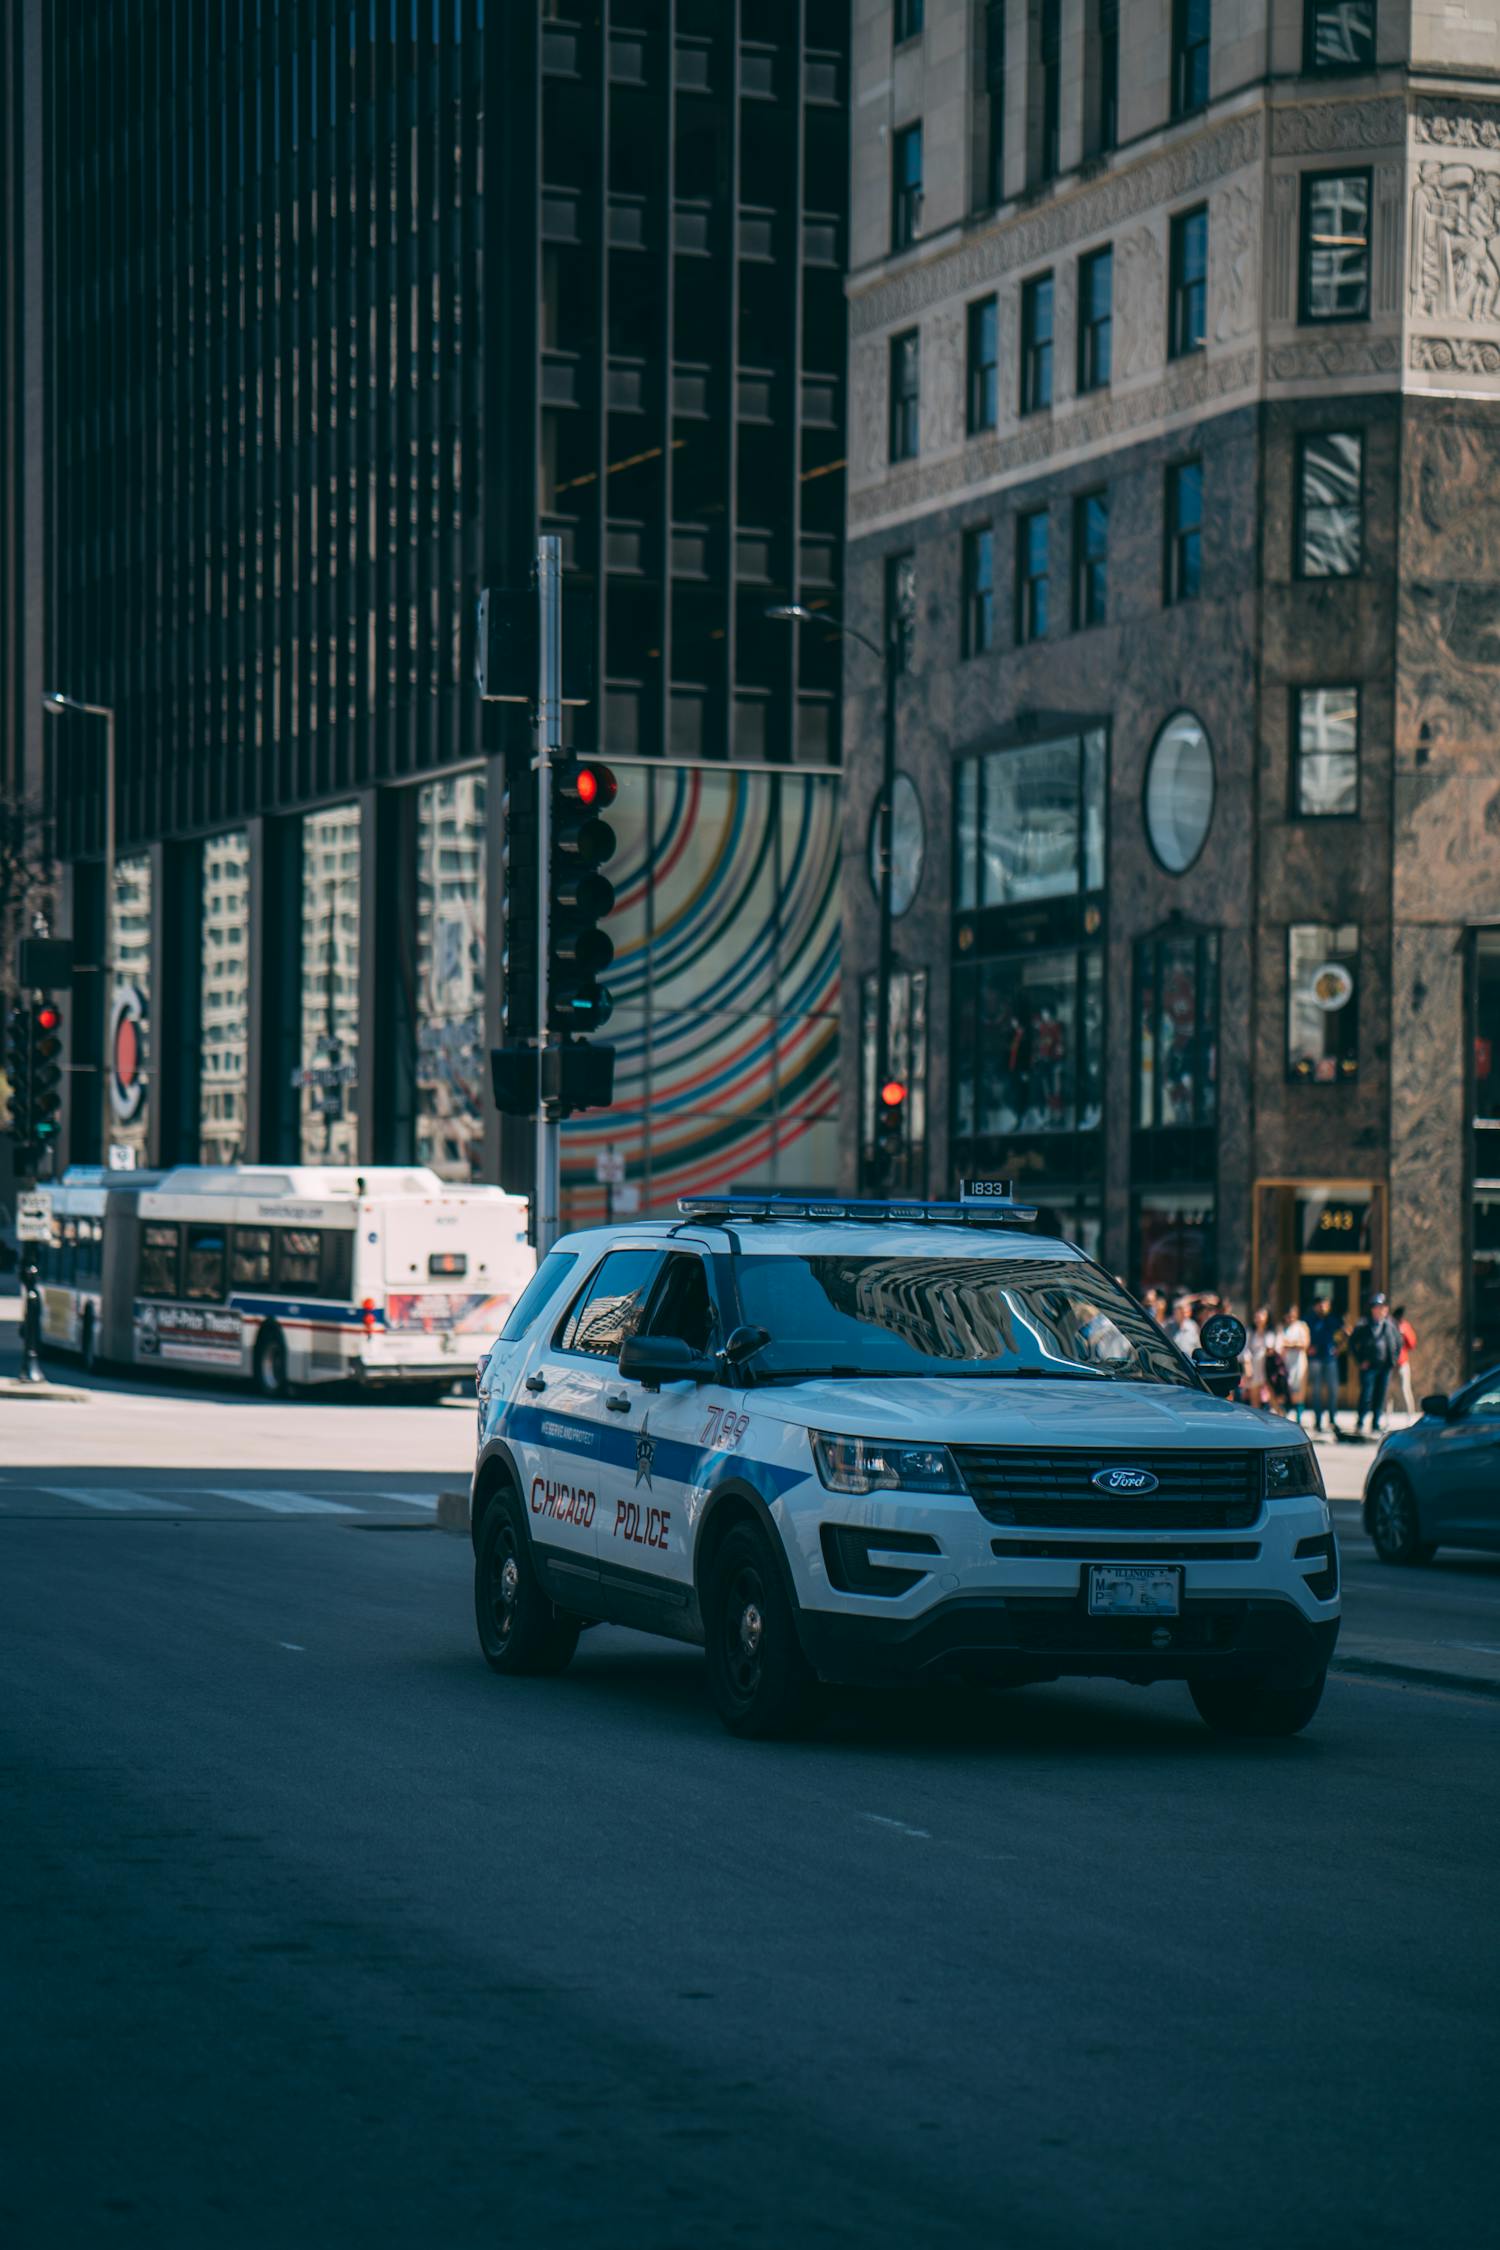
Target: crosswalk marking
115,1501
284,1503
426,1500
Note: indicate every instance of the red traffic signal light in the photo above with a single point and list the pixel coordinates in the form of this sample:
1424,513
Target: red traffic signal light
48,1018
586,783
893,1093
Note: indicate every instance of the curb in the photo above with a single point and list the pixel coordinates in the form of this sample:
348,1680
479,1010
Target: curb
453,1512
11,1386
1416,1675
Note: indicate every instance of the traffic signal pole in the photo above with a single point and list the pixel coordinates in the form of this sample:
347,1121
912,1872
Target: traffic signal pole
549,748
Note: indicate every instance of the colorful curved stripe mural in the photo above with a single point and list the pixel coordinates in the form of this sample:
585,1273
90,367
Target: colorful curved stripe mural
725,983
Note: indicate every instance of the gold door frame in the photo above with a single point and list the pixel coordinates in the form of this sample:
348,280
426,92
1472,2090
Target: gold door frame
1376,1260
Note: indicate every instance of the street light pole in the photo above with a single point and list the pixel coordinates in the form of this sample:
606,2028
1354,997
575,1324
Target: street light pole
796,613
55,703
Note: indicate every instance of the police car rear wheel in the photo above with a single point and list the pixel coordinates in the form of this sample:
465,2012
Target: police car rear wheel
760,1681
519,1629
1251,1707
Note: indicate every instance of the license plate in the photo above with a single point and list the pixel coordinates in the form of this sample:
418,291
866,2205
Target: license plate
1134,1590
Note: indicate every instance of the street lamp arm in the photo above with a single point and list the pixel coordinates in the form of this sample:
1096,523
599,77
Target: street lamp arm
54,703
797,613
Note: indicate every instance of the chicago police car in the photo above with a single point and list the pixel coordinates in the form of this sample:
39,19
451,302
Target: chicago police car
855,1442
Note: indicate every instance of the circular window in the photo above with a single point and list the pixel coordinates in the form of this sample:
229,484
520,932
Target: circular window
908,844
1179,792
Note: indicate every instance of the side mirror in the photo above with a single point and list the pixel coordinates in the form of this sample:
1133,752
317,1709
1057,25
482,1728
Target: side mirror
744,1342
1223,1336
1217,1376
1439,1406
654,1360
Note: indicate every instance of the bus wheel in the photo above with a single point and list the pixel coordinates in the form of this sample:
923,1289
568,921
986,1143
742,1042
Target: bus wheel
90,1351
270,1364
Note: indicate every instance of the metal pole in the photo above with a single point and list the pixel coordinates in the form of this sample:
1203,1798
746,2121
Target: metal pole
882,1180
549,747
107,958
31,1325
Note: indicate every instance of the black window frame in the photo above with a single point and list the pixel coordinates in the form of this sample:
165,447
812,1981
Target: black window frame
1091,325
1049,107
1174,590
1027,629
906,404
580,1298
1186,294
1148,956
908,21
1107,119
159,1226
994,88
1305,440
1296,809
906,195
538,1294
1190,57
1086,612
679,1254
1037,349
983,372
1306,317
1343,1075
978,628
1312,11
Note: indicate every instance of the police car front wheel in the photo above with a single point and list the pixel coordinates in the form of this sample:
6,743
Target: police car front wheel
519,1630
1253,1707
760,1681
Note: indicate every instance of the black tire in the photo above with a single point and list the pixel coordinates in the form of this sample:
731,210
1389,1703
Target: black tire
761,1683
1395,1526
270,1363
1251,1707
520,1631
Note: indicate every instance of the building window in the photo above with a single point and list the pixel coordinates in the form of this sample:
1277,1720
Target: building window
979,591
984,365
1090,559
906,187
1036,343
1339,35
1322,1016
1335,246
1192,22
994,88
1049,143
1029,824
224,1035
1178,802
1326,768
909,15
1096,289
1109,75
1330,504
906,395
1184,573
1189,315
450,974
900,609
906,1060
1032,575
1176,1029
330,985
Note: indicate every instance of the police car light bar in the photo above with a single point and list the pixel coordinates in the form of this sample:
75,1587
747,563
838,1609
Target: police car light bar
993,1208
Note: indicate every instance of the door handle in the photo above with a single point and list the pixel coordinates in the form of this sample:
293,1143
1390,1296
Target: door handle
536,1382
617,1402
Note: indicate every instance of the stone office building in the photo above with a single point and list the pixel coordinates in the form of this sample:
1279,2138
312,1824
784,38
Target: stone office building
1174,453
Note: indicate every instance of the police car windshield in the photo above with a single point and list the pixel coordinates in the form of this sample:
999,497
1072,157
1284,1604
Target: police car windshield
902,1316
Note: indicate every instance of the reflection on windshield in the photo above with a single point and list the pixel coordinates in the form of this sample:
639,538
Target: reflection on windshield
964,1316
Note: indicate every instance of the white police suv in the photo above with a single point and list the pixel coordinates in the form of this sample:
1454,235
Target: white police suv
859,1442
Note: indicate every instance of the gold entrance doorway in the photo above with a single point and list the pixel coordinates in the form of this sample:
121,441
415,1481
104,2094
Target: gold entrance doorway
1319,1238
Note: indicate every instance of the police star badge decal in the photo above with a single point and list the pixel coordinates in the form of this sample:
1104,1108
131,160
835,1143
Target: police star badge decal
645,1454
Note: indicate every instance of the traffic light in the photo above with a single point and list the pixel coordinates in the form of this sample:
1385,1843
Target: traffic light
890,1130
18,1071
519,902
582,840
46,1073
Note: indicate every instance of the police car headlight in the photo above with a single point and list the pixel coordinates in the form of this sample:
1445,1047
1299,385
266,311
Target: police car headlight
1288,1474
852,1464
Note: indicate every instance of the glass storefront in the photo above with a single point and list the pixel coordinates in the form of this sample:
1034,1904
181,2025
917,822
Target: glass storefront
130,1007
1175,1069
450,897
225,1040
1174,1241
328,1070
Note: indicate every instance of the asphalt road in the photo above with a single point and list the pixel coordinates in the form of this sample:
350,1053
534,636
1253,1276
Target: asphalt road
318,1933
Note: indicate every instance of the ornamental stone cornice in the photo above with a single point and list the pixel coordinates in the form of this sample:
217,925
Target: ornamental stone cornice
1335,128
1455,355
1457,123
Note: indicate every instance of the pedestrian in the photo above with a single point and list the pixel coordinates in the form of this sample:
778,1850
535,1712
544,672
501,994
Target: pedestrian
1296,1340
1182,1328
1323,1363
1253,1357
1376,1345
1403,1364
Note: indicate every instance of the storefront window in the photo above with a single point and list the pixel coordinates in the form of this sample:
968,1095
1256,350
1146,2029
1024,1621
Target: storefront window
130,1006
1030,823
226,998
1176,1054
450,975
1322,1020
328,1070
1175,1241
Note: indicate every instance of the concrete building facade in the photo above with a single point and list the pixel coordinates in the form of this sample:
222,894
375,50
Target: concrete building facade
1175,421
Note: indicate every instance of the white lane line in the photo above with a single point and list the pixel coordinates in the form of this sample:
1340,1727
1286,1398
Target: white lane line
883,1820
427,1500
116,1501
283,1503
298,1648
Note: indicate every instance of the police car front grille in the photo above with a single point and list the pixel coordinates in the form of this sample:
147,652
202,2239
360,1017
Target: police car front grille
1055,1492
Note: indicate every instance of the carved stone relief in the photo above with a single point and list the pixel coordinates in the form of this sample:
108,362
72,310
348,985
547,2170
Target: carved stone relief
1333,127
1140,303
1234,240
1453,270
1281,251
1455,355
867,411
1442,127
1322,358
943,374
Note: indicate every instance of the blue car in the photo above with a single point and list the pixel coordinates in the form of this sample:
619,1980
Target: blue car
1438,1482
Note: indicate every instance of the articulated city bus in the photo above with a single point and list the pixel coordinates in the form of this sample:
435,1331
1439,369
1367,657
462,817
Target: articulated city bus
288,1275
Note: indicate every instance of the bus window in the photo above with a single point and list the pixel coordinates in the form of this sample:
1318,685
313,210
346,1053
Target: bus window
338,1262
299,1253
205,1265
158,1271
250,1259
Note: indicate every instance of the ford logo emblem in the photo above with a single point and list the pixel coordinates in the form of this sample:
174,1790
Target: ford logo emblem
1124,1480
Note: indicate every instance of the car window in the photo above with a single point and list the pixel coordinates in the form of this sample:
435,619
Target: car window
609,1307
683,1305
1485,1397
542,1285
